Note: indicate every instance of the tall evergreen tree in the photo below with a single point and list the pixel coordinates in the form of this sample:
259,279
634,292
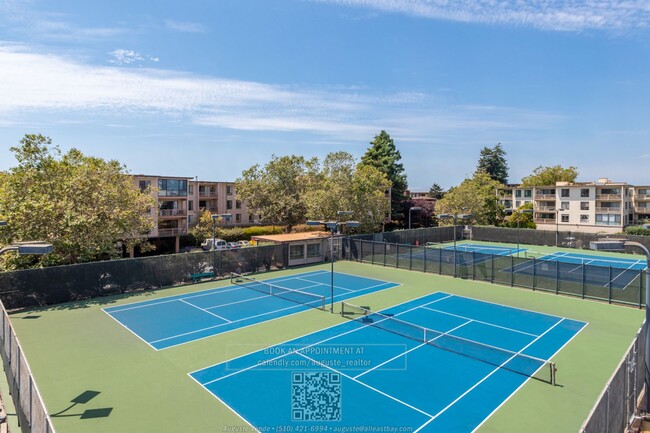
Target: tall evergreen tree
493,162
383,155
436,191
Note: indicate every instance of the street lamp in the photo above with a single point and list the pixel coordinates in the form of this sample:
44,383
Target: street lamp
215,217
619,245
529,211
23,248
332,226
414,208
455,218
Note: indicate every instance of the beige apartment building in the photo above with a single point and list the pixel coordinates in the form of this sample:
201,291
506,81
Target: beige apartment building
601,206
181,200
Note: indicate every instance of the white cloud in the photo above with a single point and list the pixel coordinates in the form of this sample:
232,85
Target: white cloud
43,83
185,27
127,57
567,15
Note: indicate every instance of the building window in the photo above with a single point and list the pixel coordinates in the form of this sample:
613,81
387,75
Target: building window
172,188
565,192
584,218
296,252
565,218
228,189
528,193
229,204
237,217
144,184
251,217
313,250
584,192
518,193
608,220
564,205
190,205
518,204
191,189
584,205
237,204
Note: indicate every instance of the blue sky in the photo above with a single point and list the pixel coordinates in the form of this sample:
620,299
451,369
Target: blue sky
209,88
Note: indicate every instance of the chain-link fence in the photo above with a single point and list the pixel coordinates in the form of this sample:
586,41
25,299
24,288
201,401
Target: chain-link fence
30,409
545,237
616,407
614,285
57,284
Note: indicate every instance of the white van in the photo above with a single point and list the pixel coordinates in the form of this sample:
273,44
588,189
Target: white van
219,244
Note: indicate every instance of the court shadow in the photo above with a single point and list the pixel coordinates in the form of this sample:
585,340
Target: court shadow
84,398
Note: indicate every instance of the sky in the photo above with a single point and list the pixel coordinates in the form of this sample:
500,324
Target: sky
209,88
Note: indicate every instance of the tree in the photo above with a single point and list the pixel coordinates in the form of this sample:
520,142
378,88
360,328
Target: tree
522,219
202,230
493,162
547,176
277,191
383,155
342,184
436,191
474,196
82,205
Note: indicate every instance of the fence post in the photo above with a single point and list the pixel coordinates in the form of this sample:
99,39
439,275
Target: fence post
512,273
492,270
609,286
425,259
557,277
534,273
385,248
410,257
583,282
474,265
372,254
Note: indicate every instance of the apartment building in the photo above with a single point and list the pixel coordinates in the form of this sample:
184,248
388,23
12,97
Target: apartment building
600,206
182,200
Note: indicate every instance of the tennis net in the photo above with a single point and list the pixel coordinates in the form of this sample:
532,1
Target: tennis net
297,296
516,362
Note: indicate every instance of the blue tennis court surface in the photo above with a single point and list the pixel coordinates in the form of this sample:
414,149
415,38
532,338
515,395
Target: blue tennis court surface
463,253
598,270
174,320
366,374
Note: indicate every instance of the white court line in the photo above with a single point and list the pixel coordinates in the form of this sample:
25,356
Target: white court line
316,283
204,310
364,384
481,322
306,347
412,349
450,405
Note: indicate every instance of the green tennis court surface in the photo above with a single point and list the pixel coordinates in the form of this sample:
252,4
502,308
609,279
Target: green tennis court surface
78,350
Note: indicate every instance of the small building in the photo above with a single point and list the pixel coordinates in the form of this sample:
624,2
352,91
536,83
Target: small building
304,248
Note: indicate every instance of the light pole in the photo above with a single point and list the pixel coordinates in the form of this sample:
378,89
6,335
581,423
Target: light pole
455,218
29,247
215,217
619,245
529,211
411,209
332,226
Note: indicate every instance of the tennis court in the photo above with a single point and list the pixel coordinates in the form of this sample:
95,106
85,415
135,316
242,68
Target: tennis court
569,266
463,253
441,362
175,320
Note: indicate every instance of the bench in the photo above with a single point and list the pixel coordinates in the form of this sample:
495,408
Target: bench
198,277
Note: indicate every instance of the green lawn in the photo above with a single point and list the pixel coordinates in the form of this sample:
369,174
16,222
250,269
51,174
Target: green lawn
73,348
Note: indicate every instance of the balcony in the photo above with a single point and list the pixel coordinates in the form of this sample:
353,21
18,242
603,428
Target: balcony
608,196
643,210
544,196
544,220
172,213
642,197
171,232
208,194
545,208
616,210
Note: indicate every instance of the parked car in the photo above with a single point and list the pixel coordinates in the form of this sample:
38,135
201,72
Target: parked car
219,244
233,245
244,243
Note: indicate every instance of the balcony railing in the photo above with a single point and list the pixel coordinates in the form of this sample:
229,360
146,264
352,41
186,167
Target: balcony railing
172,212
608,210
642,197
207,194
608,196
545,220
642,209
171,232
544,196
545,208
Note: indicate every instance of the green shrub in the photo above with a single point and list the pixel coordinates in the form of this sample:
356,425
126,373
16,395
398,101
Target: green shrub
637,230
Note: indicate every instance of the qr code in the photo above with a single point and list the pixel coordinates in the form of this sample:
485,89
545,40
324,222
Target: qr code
315,396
